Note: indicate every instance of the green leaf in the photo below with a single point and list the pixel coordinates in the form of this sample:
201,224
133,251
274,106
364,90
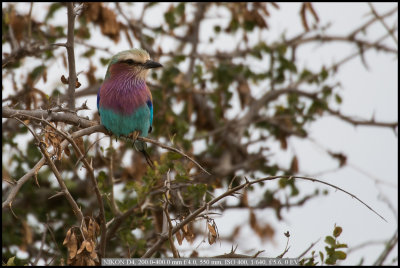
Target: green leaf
249,25
341,246
104,61
101,178
338,98
331,260
179,58
174,156
323,74
52,9
217,28
321,255
88,53
233,25
10,261
326,91
180,9
170,19
337,231
340,255
180,168
330,240
37,72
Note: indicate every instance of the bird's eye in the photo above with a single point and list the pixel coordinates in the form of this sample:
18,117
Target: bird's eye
130,62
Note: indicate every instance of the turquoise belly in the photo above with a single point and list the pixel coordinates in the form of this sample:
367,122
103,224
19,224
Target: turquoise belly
125,124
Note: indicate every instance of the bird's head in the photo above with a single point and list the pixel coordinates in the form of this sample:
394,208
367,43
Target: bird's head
135,61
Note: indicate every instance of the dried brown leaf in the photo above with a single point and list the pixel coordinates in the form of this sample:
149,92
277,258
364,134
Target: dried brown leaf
80,144
72,246
85,232
188,233
185,228
82,247
90,74
93,253
211,239
67,151
244,93
89,246
243,199
18,25
93,229
90,262
27,232
211,229
283,141
179,237
64,80
294,166
67,237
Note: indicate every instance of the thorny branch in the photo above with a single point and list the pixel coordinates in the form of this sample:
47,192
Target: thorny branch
232,191
71,56
89,130
114,207
381,19
169,225
75,208
90,170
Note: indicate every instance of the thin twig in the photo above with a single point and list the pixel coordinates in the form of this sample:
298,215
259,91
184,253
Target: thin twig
207,205
41,246
169,224
114,207
373,10
280,256
173,150
75,208
393,241
90,170
308,249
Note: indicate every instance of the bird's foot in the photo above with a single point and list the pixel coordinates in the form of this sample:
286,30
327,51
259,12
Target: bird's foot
134,135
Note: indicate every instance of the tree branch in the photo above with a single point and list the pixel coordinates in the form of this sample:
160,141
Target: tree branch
389,247
71,56
232,191
75,208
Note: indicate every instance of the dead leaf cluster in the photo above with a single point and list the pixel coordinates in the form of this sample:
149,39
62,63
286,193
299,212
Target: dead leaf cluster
82,248
53,139
66,81
105,18
187,233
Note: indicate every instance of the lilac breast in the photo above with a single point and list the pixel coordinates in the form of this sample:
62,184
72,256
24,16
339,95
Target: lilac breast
123,92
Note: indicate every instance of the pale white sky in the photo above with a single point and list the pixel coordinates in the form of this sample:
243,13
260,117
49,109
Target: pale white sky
374,150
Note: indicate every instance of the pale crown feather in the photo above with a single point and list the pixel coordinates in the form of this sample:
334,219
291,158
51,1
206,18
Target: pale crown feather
136,54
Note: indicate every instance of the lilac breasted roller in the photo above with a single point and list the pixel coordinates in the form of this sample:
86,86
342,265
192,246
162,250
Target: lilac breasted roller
124,101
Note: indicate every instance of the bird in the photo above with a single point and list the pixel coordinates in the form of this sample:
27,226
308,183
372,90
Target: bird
124,101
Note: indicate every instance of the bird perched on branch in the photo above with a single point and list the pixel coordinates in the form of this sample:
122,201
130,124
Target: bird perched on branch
124,101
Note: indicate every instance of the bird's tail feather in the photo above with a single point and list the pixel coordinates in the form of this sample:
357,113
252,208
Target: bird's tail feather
141,147
148,159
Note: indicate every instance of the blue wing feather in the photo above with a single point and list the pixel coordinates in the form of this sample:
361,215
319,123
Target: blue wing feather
98,101
150,105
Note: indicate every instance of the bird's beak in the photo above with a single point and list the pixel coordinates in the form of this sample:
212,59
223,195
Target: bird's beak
151,64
